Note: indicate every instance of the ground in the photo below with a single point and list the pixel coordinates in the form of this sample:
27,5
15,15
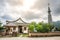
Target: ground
26,38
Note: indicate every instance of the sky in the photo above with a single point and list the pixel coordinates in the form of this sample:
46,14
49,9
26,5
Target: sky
29,10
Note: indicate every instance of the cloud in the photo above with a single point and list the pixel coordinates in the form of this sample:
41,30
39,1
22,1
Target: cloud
30,15
15,2
57,11
12,10
39,4
55,6
7,17
1,5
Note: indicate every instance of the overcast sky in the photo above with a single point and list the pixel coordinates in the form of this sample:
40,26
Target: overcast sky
29,10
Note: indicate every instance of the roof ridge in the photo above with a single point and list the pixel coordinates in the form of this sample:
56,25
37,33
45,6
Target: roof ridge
16,20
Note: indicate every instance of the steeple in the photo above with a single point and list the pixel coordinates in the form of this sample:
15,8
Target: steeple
49,11
49,14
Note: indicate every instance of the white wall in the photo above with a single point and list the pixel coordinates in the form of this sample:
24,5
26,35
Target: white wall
25,31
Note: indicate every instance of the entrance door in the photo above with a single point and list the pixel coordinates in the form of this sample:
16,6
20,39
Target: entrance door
20,29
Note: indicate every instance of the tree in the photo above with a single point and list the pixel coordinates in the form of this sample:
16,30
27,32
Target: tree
51,26
1,28
39,28
31,28
0,24
32,25
45,27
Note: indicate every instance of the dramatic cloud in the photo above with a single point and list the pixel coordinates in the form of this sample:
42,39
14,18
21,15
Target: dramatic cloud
55,6
29,10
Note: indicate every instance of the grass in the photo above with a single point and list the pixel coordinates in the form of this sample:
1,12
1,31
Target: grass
23,35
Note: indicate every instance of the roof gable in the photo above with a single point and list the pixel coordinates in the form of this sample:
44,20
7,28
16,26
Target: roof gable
17,21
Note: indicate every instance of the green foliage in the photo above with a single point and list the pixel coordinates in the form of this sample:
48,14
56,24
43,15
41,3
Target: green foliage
45,28
0,24
1,28
31,26
40,27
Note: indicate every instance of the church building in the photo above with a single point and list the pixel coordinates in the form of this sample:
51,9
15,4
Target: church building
18,26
